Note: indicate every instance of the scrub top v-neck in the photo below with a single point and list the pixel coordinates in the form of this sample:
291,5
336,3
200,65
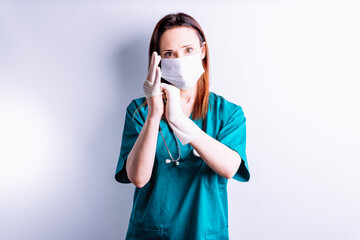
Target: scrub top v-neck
189,200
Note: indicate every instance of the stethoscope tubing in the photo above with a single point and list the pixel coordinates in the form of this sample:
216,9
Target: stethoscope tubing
177,143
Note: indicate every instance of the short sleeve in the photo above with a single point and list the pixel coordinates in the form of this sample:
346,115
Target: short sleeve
132,129
233,135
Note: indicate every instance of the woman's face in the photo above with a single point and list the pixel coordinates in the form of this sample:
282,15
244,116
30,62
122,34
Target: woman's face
180,42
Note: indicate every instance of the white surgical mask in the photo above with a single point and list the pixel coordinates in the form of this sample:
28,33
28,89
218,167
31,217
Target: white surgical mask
183,72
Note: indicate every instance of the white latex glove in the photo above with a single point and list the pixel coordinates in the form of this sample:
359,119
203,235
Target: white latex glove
184,128
151,85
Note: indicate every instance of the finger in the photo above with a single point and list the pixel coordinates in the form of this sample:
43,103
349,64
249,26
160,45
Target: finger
158,77
154,67
151,74
150,68
158,59
153,55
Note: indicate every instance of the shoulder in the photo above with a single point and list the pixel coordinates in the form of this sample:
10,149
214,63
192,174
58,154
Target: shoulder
224,107
136,103
137,109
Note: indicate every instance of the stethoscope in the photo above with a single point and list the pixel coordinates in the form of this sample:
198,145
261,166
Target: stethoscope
176,161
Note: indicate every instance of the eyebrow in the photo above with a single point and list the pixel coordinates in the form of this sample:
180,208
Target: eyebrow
182,46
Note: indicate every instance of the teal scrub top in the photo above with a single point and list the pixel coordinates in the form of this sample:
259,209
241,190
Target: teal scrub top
187,201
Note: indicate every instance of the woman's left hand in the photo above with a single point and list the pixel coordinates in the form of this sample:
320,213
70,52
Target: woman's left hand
184,128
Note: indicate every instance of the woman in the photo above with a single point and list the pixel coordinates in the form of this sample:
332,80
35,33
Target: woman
181,143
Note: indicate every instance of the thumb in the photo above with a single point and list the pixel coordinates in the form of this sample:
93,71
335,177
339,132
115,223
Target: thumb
165,86
169,88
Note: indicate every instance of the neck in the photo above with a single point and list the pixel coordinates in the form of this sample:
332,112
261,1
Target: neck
188,95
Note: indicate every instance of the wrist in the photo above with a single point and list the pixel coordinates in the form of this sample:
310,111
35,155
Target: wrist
185,129
178,120
154,118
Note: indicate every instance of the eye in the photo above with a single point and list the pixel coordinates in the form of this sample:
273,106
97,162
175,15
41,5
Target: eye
189,50
168,54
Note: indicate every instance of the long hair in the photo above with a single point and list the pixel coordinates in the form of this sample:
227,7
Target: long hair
203,85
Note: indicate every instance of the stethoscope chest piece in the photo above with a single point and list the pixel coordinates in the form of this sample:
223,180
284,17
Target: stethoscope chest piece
196,153
174,161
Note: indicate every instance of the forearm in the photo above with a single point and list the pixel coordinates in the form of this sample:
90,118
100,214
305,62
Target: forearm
140,160
219,157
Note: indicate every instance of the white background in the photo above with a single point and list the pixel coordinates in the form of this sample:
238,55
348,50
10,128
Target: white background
68,69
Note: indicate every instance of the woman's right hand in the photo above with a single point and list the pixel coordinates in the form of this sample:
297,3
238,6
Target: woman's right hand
152,90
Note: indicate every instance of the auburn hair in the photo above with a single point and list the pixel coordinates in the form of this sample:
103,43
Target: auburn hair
203,85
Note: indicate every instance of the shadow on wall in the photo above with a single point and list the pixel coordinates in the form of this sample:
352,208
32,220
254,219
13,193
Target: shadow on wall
130,66
109,200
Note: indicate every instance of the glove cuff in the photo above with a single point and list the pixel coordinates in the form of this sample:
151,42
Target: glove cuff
185,129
